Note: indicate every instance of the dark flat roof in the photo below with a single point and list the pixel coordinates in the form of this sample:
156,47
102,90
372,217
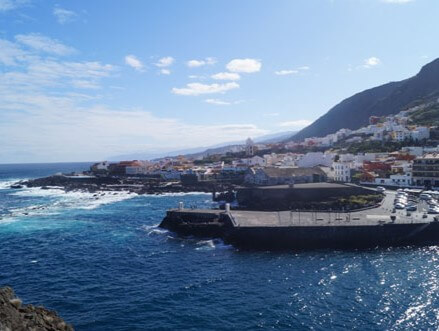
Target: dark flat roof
306,186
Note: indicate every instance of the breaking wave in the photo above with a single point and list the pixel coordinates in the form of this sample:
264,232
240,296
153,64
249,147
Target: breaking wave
57,200
5,185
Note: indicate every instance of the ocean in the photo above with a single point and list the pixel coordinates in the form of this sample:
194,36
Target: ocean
103,264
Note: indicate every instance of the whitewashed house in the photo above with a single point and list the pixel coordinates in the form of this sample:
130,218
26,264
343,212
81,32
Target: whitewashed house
342,171
313,159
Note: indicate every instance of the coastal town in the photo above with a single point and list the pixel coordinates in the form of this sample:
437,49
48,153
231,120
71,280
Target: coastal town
390,151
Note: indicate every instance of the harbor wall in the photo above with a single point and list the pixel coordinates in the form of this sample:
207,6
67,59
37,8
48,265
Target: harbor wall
284,197
219,224
313,237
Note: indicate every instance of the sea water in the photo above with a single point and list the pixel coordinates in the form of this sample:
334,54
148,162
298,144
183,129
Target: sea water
102,263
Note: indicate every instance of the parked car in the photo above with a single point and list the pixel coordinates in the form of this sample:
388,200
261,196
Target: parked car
381,189
399,206
433,210
425,196
411,208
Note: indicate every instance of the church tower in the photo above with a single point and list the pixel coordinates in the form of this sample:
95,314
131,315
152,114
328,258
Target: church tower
249,147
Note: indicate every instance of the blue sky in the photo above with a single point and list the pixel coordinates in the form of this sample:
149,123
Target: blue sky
85,80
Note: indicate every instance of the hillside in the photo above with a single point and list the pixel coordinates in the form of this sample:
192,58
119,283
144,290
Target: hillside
390,98
426,116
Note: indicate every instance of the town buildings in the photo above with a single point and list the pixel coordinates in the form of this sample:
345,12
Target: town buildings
426,170
312,160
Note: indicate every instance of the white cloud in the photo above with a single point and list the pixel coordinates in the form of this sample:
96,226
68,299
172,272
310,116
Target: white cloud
286,72
44,44
37,71
297,124
85,84
226,76
397,1
199,88
217,102
165,71
134,62
6,5
37,97
10,53
64,16
244,65
165,62
51,73
195,63
220,102
210,60
200,63
72,132
371,62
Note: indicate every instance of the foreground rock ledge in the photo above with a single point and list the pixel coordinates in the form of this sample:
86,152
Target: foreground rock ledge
14,316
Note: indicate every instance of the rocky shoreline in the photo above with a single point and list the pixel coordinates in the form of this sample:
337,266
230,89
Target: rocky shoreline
118,184
16,316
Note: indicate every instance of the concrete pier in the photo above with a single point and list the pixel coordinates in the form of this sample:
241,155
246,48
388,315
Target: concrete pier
370,227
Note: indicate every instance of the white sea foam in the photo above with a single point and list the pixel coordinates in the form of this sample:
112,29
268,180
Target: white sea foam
4,185
205,245
7,220
157,231
154,229
65,200
176,194
150,227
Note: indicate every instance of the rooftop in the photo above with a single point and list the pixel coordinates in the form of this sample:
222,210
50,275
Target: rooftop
291,172
307,186
430,156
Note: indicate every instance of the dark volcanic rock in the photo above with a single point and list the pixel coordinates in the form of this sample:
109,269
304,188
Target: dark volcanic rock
14,316
128,184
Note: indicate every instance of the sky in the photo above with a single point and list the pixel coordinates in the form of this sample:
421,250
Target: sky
86,80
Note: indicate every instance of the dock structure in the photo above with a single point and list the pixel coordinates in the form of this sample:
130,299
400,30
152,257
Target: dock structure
369,227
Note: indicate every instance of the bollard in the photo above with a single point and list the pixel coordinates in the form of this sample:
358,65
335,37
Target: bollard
227,207
180,206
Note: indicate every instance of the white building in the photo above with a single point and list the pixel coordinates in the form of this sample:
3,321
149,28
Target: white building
346,157
255,161
396,180
313,159
342,171
421,132
401,135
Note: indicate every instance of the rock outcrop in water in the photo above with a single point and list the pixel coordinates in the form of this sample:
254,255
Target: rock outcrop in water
14,316
128,184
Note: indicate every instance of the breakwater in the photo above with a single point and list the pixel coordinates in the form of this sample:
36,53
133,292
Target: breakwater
370,227
313,230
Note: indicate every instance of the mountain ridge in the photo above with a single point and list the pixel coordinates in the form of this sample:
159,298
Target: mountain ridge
387,99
